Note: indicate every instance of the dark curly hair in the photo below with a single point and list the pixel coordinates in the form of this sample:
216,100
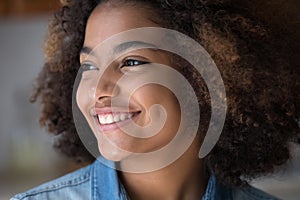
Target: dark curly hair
255,50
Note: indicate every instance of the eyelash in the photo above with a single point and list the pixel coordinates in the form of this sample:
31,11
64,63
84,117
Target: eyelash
87,67
127,63
132,62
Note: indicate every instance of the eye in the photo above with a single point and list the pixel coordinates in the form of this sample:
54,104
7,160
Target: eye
87,67
133,62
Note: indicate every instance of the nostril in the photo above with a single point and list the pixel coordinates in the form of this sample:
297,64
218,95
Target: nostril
103,98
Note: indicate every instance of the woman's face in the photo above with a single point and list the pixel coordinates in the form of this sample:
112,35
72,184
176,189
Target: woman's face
107,119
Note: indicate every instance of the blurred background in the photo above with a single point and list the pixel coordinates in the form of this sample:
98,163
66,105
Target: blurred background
26,155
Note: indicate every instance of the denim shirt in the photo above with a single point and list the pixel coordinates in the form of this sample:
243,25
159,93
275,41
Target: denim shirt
99,182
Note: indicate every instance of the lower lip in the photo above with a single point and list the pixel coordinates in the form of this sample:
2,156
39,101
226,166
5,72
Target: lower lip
115,125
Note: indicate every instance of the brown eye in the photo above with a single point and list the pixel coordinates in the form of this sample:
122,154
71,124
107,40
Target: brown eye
132,62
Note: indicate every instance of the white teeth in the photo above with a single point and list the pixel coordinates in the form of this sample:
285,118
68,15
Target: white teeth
116,117
122,116
109,119
101,119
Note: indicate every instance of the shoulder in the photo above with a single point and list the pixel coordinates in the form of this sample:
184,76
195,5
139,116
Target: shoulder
252,193
74,183
219,191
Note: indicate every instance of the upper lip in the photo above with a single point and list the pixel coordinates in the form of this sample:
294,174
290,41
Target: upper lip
106,110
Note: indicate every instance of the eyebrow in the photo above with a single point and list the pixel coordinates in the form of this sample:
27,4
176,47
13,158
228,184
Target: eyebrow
133,44
85,50
122,47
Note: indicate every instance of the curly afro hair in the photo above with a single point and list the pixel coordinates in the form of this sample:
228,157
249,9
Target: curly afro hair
255,50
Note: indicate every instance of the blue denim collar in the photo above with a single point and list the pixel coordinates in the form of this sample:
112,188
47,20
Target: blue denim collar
106,185
216,191
98,181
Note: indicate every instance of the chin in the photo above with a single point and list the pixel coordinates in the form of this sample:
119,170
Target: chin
112,153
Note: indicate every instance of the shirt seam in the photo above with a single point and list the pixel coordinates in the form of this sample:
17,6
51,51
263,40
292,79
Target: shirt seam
69,183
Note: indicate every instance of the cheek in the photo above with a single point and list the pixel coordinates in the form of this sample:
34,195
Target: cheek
150,95
153,95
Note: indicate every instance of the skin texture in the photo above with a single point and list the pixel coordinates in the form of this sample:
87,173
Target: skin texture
255,51
190,184
101,25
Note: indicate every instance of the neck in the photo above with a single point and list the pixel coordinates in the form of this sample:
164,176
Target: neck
186,178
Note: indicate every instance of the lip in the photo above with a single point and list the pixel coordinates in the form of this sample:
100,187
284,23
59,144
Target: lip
115,125
107,110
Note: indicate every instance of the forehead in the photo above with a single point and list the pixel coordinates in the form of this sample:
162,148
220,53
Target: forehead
106,21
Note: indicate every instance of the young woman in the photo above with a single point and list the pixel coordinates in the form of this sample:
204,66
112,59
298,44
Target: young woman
260,80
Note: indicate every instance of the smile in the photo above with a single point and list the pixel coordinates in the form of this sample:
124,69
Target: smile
114,117
110,121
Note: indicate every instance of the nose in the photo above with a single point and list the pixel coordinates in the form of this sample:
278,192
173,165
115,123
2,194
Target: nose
107,86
